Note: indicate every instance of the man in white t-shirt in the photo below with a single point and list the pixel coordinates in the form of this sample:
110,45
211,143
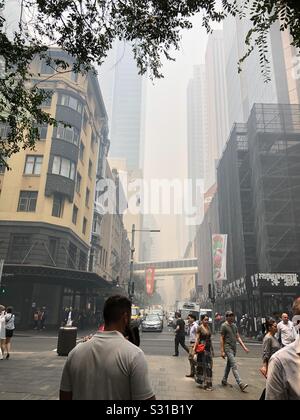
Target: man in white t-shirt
283,381
108,367
286,331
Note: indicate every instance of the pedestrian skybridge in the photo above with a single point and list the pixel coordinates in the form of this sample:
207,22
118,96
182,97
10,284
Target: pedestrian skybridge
168,268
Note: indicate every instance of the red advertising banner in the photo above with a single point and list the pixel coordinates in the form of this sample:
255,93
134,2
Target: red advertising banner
219,254
150,277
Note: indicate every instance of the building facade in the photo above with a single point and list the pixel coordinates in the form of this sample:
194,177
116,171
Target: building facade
197,133
259,208
217,104
47,199
110,244
128,108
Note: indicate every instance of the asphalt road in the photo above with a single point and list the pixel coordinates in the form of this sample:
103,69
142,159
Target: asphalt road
155,344
152,343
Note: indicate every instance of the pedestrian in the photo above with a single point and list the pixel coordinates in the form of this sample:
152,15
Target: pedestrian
179,334
108,367
270,344
286,332
283,381
9,327
43,317
2,331
69,317
36,319
229,339
205,356
193,326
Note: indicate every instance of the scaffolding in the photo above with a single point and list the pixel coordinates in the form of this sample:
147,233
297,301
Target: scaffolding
274,147
259,192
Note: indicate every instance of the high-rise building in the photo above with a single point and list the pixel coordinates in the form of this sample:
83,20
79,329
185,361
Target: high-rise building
47,199
197,133
197,123
250,87
217,105
259,209
127,103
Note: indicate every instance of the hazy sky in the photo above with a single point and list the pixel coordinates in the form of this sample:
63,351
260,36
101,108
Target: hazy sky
166,128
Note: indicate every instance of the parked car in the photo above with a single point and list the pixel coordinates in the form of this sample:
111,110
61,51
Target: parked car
152,322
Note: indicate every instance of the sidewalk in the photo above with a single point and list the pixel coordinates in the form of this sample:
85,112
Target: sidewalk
169,381
36,376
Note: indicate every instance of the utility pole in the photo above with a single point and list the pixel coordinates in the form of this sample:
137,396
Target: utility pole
130,284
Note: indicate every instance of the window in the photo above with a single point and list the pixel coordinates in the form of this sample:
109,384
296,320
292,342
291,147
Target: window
100,255
82,261
72,255
78,183
81,151
63,167
48,100
93,142
58,206
43,131
75,214
90,168
69,134
19,247
87,197
84,225
33,165
95,224
46,69
27,201
53,246
71,102
74,76
4,131
85,120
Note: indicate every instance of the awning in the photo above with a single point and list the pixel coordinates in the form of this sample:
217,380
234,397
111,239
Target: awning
53,275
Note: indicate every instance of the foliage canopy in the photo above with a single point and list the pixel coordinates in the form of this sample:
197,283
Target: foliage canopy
87,29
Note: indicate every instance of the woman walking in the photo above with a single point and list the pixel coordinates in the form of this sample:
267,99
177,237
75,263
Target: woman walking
270,346
205,355
9,326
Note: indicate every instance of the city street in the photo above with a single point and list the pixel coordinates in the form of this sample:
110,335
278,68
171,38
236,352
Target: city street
34,370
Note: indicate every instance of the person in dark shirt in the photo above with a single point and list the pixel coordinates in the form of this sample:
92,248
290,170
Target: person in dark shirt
179,334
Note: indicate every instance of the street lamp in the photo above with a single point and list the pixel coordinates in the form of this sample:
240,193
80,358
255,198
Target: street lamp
133,230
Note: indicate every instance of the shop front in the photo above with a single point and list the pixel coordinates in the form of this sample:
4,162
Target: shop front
33,289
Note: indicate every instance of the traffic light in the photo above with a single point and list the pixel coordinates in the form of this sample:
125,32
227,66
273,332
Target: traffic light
3,290
132,288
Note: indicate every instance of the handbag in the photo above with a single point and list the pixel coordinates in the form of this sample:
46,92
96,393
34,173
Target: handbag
200,348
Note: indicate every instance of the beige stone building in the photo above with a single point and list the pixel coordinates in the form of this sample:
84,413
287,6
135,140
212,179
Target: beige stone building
47,199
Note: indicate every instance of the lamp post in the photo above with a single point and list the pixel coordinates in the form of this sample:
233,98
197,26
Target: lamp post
131,284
